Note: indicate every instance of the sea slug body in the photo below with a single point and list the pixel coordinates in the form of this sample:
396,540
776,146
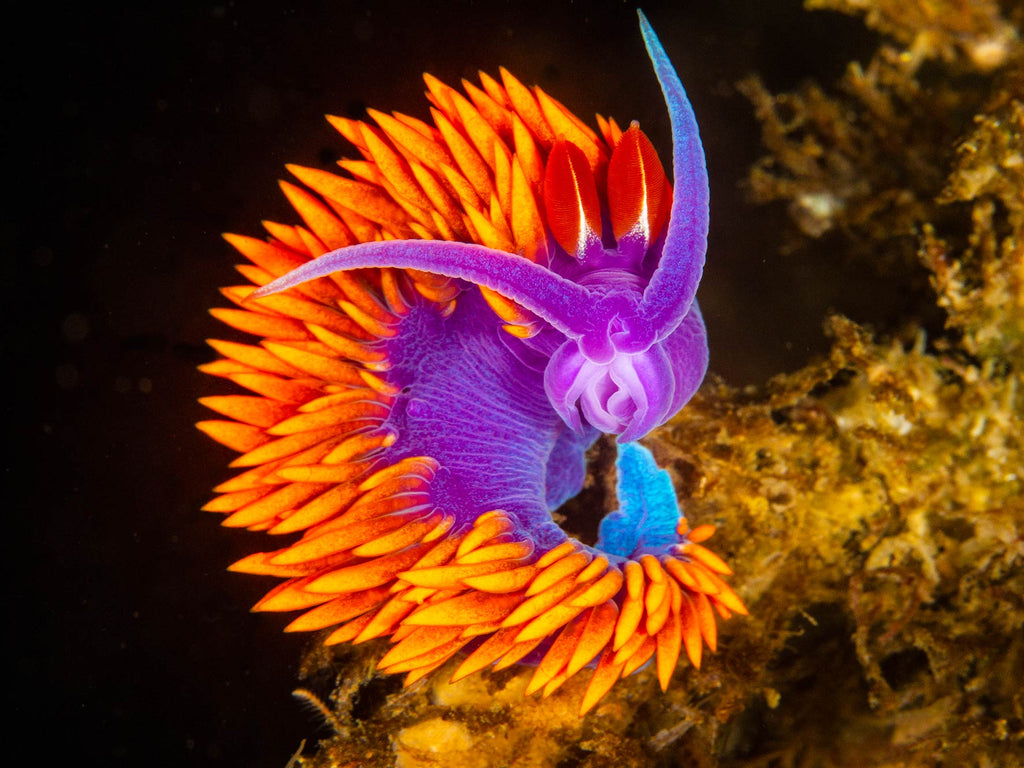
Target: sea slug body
455,323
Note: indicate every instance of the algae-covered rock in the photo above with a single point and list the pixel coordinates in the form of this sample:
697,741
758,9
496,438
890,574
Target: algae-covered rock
981,286
437,742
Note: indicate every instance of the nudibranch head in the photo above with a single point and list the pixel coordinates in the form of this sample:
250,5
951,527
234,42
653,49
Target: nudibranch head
626,388
440,342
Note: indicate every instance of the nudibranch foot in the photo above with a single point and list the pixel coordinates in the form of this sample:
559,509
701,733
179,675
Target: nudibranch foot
439,342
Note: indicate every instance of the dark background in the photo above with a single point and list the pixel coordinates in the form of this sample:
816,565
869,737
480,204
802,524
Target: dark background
132,137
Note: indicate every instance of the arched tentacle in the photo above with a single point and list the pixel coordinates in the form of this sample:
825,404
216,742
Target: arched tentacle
673,285
552,297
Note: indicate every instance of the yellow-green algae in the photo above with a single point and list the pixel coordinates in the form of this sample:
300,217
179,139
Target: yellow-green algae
870,503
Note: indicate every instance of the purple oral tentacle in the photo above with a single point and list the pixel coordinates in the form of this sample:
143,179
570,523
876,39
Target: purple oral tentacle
561,302
673,285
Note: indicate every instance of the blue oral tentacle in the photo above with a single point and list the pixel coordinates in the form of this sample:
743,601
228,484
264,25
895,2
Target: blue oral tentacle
648,513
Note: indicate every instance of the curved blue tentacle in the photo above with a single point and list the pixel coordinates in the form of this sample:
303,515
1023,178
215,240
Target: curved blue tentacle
673,285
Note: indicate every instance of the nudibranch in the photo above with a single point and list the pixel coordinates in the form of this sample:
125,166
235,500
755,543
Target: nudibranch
454,323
